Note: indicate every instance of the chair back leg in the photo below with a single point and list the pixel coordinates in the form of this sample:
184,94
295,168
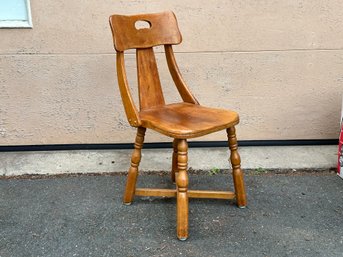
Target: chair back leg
182,188
174,160
236,168
133,171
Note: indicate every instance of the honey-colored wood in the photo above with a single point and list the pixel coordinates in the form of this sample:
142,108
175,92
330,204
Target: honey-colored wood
174,160
133,171
180,121
236,168
163,30
129,106
158,192
182,187
184,120
148,80
180,84
226,195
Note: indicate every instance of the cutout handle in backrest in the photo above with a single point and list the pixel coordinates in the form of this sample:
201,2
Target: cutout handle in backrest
128,32
141,24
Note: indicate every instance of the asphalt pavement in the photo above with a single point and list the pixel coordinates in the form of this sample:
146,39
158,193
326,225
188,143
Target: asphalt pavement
287,215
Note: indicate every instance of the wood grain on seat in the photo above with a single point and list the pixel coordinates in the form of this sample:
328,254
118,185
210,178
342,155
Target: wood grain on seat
184,120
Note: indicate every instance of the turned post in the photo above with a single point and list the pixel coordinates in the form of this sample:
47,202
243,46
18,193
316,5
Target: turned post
182,187
174,160
133,171
236,168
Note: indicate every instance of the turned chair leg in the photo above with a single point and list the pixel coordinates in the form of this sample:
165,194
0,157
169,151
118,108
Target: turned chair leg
236,168
182,187
174,161
133,171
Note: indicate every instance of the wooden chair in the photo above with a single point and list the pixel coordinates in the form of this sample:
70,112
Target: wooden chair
180,121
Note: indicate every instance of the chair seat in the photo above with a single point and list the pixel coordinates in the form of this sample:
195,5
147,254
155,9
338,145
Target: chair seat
185,120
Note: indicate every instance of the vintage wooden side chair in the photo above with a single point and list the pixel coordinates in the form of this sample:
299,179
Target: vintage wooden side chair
179,121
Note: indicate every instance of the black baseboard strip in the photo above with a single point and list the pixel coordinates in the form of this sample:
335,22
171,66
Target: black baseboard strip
198,144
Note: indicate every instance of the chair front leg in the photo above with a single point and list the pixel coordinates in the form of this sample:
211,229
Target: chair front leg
236,168
133,171
174,160
182,187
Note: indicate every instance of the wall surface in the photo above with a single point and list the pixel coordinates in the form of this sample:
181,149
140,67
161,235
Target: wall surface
278,63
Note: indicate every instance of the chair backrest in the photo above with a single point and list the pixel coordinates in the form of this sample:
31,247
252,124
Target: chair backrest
160,29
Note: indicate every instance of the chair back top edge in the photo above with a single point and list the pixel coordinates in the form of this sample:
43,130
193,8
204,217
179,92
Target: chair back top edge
144,30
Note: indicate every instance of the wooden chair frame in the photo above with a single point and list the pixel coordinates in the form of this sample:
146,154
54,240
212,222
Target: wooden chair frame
156,115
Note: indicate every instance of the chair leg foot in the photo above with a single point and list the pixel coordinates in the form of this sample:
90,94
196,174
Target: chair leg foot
239,188
182,194
182,216
236,168
133,171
